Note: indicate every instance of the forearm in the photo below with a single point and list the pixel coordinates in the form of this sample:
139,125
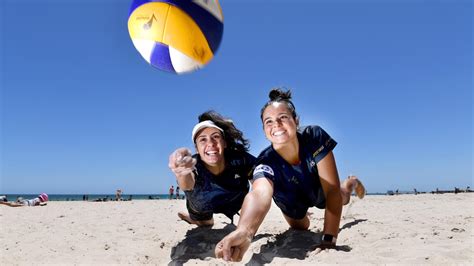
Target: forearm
332,214
11,204
254,209
186,182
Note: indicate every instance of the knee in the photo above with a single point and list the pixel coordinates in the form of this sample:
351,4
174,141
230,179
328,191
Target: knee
301,224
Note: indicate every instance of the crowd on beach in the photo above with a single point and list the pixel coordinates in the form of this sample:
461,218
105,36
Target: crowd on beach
437,191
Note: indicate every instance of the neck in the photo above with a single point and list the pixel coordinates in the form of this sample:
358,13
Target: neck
216,169
289,151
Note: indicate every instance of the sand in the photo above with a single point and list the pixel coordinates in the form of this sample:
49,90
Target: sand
403,229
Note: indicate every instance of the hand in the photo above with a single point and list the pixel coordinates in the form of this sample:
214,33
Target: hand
233,246
324,246
181,162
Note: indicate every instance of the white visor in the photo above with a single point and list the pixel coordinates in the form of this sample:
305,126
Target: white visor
202,125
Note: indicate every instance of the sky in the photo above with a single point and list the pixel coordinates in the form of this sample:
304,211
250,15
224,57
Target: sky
83,113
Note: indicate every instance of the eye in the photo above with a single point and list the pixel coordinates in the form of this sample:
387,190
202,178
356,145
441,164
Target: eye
216,136
268,122
284,117
202,140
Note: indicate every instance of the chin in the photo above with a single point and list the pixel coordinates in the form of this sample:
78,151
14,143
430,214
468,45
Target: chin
212,162
279,140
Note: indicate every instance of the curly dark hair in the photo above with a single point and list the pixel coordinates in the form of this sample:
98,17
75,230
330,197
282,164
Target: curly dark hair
234,138
278,95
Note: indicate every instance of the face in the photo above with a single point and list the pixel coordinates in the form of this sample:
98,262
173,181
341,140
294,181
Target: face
278,124
210,145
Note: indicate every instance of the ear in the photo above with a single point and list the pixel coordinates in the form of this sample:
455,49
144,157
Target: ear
297,121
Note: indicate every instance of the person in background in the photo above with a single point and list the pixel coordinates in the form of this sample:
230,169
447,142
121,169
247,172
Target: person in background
298,170
118,195
171,192
216,178
38,201
177,192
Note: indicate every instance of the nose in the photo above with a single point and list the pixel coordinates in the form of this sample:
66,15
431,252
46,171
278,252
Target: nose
278,121
211,142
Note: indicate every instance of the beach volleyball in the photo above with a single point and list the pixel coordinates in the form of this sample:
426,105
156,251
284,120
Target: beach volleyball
177,36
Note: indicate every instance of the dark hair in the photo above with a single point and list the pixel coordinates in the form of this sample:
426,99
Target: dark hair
277,95
233,137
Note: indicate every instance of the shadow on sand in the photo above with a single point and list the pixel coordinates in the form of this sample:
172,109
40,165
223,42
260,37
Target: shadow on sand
199,243
294,244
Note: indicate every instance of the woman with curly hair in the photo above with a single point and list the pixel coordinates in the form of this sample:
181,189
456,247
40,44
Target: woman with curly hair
216,178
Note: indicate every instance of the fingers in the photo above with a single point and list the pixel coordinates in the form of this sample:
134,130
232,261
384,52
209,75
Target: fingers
181,161
187,161
232,247
226,251
236,254
219,252
180,171
317,251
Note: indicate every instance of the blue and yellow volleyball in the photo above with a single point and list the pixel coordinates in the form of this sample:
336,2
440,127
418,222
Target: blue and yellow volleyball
177,36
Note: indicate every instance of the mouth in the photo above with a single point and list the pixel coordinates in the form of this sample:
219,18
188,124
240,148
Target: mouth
211,153
278,133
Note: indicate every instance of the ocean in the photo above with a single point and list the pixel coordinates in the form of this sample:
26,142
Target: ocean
92,197
109,197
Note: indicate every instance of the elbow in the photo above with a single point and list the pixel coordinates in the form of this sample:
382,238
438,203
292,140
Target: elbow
263,197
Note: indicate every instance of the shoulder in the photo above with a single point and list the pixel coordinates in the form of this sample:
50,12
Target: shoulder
238,158
268,152
313,131
318,143
265,164
315,135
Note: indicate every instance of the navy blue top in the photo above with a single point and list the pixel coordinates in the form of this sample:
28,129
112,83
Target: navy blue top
223,193
297,187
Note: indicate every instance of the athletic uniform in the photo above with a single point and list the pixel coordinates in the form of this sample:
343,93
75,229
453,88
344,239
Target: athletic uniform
297,187
224,193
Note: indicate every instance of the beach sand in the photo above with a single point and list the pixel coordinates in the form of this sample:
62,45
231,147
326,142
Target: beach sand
407,229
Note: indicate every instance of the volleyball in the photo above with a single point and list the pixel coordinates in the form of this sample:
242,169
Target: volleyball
178,36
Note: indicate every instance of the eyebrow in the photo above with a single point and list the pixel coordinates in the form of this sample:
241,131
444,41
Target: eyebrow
282,113
205,135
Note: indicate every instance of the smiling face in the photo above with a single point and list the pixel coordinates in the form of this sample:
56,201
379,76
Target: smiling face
210,145
279,125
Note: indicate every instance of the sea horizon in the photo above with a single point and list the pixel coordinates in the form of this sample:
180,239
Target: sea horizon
111,197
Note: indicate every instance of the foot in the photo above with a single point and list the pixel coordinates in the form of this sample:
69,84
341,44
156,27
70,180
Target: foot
359,188
185,217
352,183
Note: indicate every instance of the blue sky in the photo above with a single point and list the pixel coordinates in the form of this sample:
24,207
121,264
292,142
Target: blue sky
82,112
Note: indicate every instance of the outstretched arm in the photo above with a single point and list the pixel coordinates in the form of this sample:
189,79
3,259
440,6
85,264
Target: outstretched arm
182,165
330,182
11,204
254,209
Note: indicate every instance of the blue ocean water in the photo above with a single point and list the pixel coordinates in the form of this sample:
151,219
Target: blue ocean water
91,197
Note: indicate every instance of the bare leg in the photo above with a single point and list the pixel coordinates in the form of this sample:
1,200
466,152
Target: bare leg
301,224
352,183
185,217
